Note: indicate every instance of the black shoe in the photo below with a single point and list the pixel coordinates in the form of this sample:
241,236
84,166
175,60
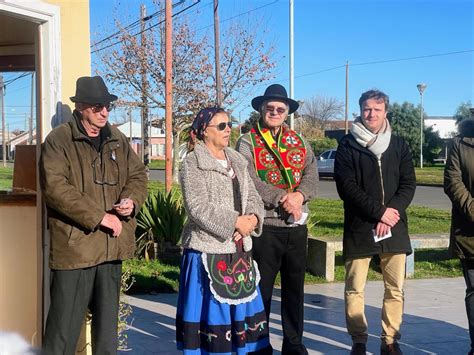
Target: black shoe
390,349
358,349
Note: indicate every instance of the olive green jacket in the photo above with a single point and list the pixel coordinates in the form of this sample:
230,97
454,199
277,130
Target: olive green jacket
459,186
80,184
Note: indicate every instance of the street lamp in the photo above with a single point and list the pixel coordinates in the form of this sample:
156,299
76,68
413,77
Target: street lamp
421,87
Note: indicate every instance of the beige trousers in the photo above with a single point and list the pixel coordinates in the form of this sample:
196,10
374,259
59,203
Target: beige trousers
393,271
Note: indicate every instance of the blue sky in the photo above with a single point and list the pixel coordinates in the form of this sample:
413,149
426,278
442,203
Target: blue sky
327,33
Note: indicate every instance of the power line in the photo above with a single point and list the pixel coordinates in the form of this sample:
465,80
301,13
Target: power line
241,14
130,26
10,81
150,27
411,58
385,61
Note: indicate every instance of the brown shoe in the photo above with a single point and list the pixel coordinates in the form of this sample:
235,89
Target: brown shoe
358,349
390,349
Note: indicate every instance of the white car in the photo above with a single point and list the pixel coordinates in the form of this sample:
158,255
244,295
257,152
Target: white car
326,163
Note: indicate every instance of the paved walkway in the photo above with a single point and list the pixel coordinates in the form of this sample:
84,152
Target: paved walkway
434,320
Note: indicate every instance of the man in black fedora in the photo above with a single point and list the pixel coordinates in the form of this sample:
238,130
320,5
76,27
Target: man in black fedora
283,168
93,185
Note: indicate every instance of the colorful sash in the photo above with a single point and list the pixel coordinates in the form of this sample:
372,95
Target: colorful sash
280,162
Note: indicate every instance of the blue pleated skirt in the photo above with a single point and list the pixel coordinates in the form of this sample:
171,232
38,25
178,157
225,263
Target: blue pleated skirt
206,326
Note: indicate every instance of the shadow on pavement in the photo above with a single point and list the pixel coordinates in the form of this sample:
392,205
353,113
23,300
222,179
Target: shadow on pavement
152,331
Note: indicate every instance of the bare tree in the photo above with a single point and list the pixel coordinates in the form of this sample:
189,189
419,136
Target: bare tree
318,110
244,62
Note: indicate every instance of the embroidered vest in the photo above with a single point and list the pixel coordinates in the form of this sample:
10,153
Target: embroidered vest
279,162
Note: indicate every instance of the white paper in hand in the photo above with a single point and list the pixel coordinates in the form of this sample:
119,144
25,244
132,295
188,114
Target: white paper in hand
379,238
301,221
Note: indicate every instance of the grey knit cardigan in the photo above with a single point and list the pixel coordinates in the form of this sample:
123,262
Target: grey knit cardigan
209,200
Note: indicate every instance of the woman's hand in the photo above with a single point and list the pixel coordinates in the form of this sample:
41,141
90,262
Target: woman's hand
246,224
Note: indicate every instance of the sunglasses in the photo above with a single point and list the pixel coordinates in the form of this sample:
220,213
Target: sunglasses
99,107
279,110
221,126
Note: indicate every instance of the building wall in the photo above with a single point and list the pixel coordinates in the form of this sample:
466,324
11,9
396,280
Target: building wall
75,44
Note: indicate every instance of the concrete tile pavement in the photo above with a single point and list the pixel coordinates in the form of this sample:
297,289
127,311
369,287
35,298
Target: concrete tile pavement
434,321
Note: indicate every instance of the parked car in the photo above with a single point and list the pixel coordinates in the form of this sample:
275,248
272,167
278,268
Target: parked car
326,163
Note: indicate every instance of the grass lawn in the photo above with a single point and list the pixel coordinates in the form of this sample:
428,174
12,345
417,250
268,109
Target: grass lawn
157,164
157,276
6,178
430,175
328,219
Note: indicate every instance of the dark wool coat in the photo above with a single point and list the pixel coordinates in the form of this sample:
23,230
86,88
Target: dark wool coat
459,186
79,185
367,190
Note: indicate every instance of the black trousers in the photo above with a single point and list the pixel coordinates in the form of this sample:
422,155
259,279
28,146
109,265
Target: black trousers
284,249
468,271
72,293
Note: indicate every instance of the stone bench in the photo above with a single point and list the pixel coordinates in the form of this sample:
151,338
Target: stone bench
322,252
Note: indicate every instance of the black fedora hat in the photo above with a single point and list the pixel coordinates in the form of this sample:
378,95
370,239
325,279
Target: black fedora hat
275,92
92,90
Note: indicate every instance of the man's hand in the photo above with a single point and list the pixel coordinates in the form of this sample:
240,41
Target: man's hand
381,229
390,217
292,203
113,223
246,224
125,207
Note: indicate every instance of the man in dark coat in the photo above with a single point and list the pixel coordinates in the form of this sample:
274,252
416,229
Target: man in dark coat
93,185
459,186
376,180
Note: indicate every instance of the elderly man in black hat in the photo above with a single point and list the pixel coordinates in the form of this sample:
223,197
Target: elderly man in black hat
283,168
93,185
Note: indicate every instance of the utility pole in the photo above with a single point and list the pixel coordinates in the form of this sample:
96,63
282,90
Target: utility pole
168,95
144,104
131,126
4,139
216,54
30,121
292,73
346,122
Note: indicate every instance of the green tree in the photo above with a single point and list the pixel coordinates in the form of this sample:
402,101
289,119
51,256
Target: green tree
405,122
249,122
462,112
319,145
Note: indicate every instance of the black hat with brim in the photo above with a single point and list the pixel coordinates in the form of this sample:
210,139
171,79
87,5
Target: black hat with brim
92,90
275,92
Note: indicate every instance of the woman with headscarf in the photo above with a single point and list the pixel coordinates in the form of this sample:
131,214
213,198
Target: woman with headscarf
220,309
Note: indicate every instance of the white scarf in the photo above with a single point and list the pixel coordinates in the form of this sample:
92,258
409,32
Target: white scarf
376,143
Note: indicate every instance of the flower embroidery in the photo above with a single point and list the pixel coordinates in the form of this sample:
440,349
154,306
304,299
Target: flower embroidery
228,280
221,265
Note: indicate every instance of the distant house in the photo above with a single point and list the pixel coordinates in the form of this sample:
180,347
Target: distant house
156,139
336,129
444,125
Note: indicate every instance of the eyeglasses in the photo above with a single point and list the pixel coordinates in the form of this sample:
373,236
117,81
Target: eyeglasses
221,126
99,107
279,110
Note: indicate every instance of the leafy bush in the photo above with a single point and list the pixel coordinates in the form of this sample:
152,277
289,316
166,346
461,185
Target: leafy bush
160,220
319,145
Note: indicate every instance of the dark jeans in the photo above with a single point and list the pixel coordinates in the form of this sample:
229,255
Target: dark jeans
468,271
284,249
72,293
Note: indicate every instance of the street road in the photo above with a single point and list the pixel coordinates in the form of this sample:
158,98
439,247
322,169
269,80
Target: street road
427,196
